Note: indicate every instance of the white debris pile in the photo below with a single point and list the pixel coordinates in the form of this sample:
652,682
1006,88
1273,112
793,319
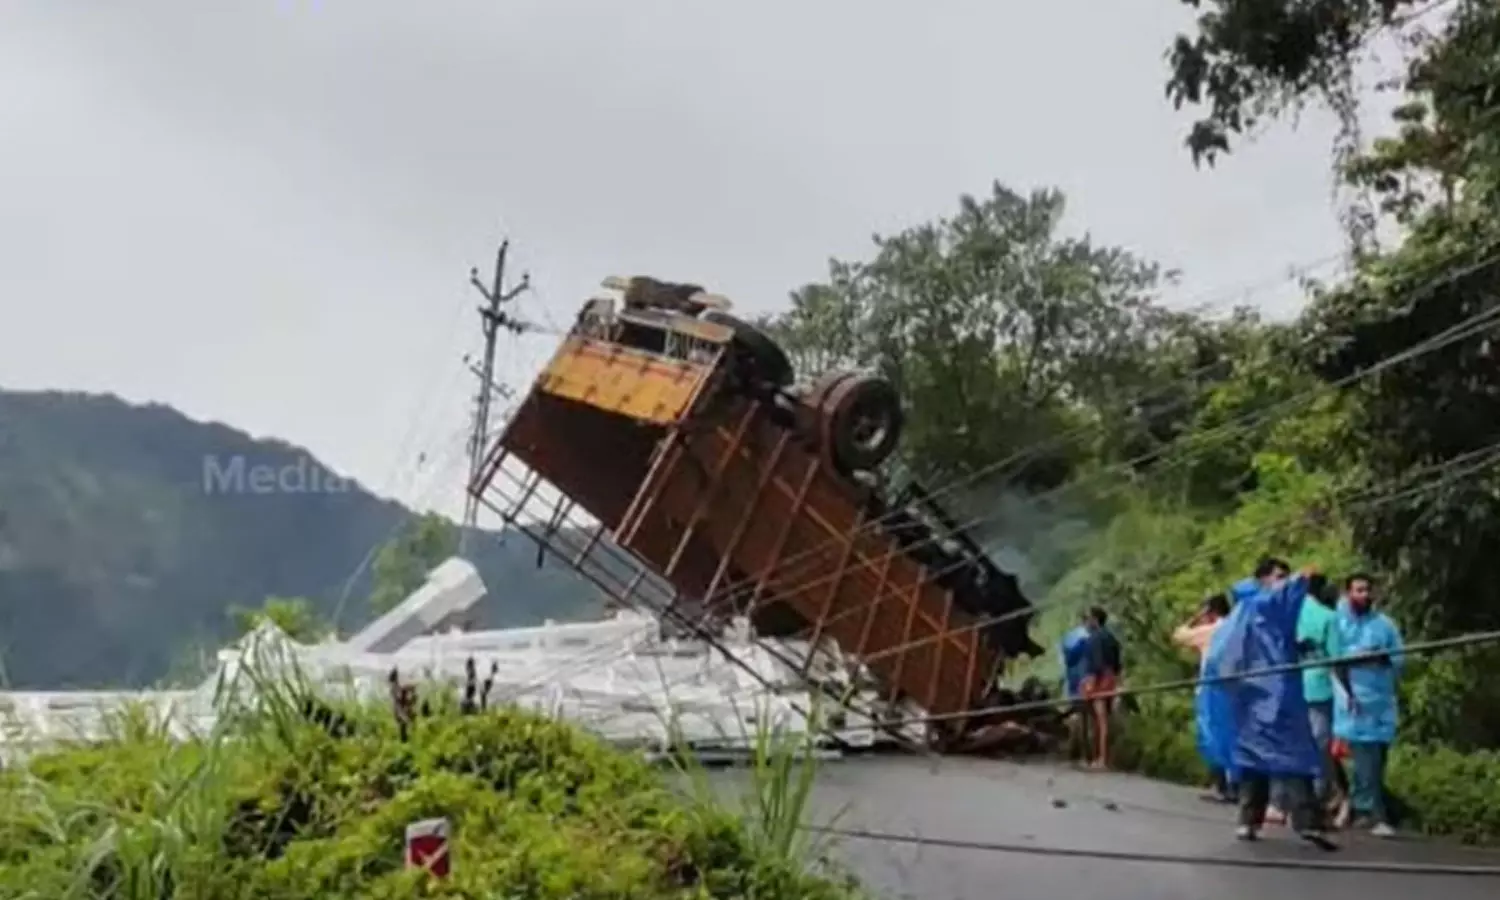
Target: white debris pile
618,677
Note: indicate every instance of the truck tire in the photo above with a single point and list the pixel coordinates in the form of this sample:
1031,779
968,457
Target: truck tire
768,363
863,423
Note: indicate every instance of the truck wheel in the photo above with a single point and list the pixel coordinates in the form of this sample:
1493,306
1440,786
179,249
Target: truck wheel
863,422
768,362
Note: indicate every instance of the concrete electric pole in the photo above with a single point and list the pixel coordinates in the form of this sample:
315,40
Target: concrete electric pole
493,318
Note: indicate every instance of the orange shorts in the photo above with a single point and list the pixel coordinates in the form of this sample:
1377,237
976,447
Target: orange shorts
1097,686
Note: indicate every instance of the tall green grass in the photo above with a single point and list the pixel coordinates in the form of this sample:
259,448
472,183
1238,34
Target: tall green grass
779,774
264,805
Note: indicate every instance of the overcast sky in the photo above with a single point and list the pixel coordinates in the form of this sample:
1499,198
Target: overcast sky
264,213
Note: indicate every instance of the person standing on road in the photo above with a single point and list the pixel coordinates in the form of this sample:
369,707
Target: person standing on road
1269,571
1211,713
1104,663
1273,734
1318,639
1366,711
1075,667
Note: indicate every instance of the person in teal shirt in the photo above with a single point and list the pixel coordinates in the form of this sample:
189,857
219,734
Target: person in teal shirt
1366,710
1318,638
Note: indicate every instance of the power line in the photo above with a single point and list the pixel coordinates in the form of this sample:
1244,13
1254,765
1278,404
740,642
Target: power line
1422,648
1493,456
1471,325
848,704
728,592
1489,454
1179,859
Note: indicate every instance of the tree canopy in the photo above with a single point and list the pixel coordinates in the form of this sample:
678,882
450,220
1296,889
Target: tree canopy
295,616
1433,175
1000,330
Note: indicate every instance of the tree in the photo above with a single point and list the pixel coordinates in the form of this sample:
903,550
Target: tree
998,330
820,332
1445,152
1255,59
295,617
1438,179
402,563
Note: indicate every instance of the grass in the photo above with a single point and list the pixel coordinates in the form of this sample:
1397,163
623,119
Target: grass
266,805
775,803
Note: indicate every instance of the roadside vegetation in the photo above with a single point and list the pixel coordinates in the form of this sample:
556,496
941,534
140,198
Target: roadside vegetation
271,805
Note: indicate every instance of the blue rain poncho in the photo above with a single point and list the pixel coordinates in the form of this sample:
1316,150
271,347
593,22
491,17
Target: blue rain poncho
1215,717
1272,733
1075,645
1374,684
1242,590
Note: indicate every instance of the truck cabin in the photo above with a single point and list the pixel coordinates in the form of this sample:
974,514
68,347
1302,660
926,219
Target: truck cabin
683,322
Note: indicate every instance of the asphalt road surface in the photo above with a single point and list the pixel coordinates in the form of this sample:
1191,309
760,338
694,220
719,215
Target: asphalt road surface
1044,806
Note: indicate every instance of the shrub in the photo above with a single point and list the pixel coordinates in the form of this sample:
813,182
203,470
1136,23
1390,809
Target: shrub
1158,740
1441,791
538,810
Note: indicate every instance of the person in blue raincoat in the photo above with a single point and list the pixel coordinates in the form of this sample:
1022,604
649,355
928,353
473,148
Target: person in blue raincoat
1366,710
1074,651
1273,736
1219,732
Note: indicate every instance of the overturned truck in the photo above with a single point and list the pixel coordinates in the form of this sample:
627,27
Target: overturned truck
684,435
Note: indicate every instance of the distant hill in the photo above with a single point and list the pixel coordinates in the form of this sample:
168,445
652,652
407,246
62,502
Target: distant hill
126,532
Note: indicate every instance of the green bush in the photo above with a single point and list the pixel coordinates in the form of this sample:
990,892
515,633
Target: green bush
276,809
1158,740
1443,792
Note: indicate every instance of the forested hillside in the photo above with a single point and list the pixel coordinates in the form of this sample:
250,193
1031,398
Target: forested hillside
125,542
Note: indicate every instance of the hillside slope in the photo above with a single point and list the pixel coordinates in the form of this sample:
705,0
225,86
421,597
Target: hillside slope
127,531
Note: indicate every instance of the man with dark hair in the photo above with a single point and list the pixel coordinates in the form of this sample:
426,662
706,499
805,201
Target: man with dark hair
1272,567
1102,668
1366,713
1268,572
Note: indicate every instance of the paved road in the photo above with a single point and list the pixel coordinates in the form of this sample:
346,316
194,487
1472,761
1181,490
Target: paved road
1010,803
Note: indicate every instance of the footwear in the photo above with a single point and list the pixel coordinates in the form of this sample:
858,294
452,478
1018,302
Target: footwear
1274,816
1383,831
1318,839
1245,833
